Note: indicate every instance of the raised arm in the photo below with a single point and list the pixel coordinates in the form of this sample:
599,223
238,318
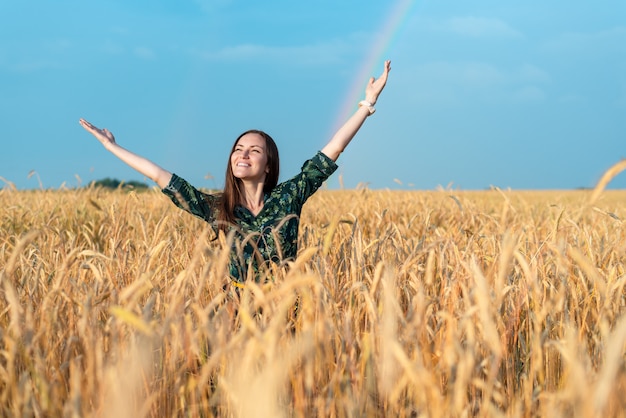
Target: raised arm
144,166
344,135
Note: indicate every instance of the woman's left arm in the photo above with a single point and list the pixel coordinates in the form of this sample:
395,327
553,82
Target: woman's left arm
344,135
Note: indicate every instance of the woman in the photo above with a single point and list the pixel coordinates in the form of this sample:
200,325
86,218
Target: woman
262,215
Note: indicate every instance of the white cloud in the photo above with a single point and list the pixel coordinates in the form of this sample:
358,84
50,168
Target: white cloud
469,74
449,83
239,52
112,48
27,57
57,45
529,94
613,39
571,99
33,65
532,73
119,30
208,6
481,74
481,27
144,53
310,55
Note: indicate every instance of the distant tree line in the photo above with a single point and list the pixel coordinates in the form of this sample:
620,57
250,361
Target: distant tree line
110,183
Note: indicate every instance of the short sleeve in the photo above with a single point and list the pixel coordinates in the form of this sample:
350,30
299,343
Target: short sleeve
311,177
322,164
190,199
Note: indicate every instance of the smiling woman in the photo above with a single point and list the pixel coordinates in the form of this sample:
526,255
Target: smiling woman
263,216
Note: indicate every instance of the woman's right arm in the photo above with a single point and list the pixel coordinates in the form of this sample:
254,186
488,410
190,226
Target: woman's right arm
146,167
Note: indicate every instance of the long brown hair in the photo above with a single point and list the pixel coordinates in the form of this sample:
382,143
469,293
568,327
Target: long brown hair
232,195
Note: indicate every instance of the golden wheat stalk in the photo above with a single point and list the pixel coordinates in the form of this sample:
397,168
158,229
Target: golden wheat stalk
606,178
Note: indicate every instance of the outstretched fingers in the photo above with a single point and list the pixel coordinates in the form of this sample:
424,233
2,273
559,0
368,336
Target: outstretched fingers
103,135
386,68
87,125
382,80
376,85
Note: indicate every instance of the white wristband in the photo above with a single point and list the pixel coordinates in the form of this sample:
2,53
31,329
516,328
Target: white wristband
369,106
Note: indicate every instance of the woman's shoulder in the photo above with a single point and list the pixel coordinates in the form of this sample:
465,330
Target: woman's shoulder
180,186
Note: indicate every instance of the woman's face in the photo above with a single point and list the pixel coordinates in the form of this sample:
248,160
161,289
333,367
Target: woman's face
249,159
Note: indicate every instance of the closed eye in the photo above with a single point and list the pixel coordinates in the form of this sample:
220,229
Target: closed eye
258,150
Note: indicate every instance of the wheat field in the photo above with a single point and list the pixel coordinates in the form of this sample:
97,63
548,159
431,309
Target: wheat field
409,304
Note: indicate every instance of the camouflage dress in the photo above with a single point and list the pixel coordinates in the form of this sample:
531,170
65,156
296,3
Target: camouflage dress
269,238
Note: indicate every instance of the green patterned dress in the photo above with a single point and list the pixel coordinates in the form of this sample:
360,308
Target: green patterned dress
269,238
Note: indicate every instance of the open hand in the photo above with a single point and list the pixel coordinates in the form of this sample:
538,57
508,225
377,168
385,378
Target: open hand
102,135
375,86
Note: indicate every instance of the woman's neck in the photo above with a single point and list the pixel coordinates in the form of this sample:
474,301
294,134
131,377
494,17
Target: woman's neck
252,197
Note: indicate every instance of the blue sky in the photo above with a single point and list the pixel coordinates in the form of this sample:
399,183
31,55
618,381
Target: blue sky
523,95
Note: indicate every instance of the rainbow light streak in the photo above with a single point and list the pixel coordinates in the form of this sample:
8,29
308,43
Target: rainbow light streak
372,66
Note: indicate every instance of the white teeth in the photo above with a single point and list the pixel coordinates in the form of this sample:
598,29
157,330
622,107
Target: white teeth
243,165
